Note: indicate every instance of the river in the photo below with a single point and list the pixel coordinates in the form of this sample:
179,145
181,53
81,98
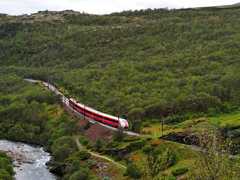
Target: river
29,161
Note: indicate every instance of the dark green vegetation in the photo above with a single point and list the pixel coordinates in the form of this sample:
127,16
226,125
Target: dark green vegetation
167,63
31,114
149,65
6,169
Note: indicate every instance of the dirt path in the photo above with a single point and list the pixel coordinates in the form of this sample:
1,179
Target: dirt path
81,147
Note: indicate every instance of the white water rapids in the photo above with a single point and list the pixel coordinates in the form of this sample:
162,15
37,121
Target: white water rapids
29,161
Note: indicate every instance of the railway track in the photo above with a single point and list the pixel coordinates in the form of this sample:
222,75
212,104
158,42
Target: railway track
130,133
65,101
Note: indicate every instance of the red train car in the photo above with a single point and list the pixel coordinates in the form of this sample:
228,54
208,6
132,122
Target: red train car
98,116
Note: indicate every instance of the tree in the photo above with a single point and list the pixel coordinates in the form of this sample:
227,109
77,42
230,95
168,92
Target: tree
214,161
133,171
157,161
136,115
82,174
5,175
118,135
99,145
63,147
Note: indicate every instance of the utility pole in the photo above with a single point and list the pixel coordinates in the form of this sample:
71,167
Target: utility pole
84,111
118,99
162,126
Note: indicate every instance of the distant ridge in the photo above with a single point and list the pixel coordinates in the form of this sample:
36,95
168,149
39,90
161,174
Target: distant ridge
230,6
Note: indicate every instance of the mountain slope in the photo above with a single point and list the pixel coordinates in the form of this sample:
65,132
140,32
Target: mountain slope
159,62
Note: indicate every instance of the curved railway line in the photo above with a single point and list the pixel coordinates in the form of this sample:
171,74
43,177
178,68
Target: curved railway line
130,133
65,101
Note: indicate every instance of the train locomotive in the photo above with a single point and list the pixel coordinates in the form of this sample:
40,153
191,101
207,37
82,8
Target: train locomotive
92,114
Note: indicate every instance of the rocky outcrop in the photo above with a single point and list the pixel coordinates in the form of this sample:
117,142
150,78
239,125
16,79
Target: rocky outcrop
183,138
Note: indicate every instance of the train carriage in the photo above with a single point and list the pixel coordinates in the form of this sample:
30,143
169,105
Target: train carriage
98,116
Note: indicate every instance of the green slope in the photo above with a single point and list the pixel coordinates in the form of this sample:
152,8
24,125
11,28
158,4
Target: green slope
159,62
153,64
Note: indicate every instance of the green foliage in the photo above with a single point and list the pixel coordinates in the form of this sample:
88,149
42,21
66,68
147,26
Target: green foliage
78,164
179,171
150,63
83,155
118,136
99,144
63,147
147,149
82,174
133,171
136,145
5,175
135,116
6,167
30,114
158,160
84,141
214,162
169,178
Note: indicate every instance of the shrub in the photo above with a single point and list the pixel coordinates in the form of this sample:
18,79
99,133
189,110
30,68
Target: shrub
5,175
73,164
179,171
63,147
91,163
136,145
106,178
132,171
83,141
83,155
82,174
98,146
147,149
118,135
169,158
5,163
159,160
170,178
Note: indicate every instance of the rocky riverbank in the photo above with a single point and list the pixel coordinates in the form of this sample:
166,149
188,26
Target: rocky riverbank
29,161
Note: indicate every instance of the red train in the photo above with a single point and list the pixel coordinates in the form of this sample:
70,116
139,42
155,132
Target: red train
95,115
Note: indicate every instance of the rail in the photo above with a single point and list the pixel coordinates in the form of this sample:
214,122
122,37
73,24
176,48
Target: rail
65,101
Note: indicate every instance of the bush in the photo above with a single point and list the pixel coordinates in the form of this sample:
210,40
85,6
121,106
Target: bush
170,178
6,164
132,171
168,159
118,135
83,141
98,146
91,163
5,175
106,178
147,149
82,174
83,155
136,145
63,147
179,171
159,160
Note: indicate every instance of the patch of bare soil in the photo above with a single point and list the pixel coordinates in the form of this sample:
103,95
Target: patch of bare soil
96,131
92,131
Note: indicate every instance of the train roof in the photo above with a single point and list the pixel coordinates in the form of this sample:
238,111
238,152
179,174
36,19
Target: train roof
97,112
